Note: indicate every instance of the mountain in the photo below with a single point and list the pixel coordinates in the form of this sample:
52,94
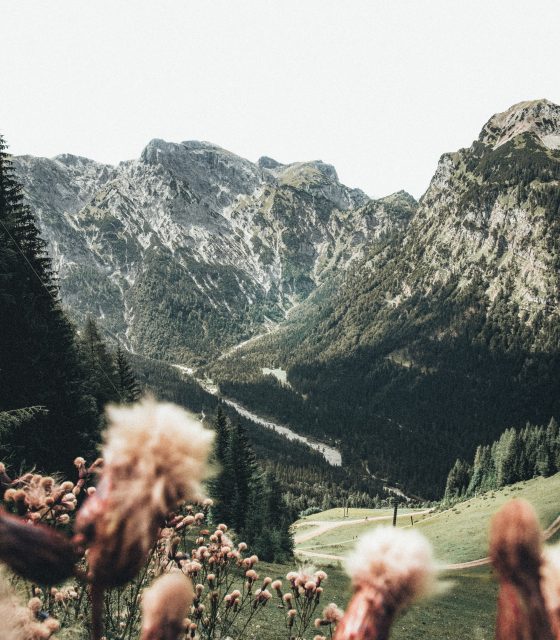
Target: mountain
191,249
444,333
407,332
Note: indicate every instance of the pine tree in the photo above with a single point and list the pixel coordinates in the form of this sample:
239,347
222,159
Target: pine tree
103,378
127,385
39,363
222,485
458,479
246,499
222,436
242,461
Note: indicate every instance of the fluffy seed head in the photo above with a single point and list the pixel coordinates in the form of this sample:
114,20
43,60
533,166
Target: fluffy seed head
550,579
155,456
164,607
515,542
396,563
515,551
331,613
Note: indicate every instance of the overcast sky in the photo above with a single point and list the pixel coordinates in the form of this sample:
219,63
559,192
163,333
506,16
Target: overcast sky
379,89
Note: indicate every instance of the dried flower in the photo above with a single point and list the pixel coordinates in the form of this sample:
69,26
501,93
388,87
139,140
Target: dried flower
332,613
515,551
164,607
34,551
155,456
389,568
19,622
550,585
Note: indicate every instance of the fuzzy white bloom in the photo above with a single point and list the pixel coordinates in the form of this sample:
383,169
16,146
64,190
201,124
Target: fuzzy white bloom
164,607
397,562
19,622
165,439
550,583
155,456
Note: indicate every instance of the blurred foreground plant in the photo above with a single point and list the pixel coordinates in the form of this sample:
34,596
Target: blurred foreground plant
145,524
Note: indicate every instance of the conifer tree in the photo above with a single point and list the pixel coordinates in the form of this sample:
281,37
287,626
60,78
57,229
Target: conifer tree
39,363
103,379
127,385
458,479
222,486
244,497
243,464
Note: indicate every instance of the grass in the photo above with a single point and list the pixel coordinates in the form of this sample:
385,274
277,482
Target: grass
465,611
460,534
346,535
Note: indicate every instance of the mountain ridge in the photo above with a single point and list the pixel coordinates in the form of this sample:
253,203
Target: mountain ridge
245,243
446,333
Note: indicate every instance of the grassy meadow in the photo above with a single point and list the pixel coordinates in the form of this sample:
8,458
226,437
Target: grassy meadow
466,609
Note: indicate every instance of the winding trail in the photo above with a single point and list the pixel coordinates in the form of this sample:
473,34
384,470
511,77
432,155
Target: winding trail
328,525
322,526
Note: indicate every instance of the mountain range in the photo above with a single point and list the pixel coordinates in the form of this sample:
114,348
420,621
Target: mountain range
191,249
407,332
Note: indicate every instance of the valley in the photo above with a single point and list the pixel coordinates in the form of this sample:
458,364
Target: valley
409,332
331,454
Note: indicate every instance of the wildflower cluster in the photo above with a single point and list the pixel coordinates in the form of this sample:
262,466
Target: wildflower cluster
302,598
135,557
38,498
20,622
229,593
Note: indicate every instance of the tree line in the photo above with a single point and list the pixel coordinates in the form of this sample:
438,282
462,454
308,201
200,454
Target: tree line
519,454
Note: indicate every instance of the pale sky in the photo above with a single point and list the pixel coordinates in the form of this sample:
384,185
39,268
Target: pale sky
379,89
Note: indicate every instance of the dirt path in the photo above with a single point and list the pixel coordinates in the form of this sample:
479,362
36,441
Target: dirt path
481,562
322,526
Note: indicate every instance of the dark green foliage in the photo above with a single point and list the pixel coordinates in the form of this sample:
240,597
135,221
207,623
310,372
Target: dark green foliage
127,386
39,363
99,365
517,455
245,498
458,479
306,478
411,387
176,321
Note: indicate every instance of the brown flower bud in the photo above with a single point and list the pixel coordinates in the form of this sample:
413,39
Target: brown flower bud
164,606
34,551
515,551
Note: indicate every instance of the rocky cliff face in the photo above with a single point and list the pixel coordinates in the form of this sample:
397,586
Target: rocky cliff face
192,248
445,336
489,214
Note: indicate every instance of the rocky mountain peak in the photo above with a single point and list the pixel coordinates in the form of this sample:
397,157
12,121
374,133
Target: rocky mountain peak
264,162
540,117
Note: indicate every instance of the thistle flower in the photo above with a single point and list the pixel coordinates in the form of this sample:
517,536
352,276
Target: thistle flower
164,607
550,585
515,551
390,568
20,622
34,551
332,613
277,586
155,456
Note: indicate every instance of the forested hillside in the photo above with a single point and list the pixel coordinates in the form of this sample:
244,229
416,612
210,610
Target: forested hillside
407,333
191,249
447,332
48,415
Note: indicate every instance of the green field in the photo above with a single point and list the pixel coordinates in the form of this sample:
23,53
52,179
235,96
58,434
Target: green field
459,534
